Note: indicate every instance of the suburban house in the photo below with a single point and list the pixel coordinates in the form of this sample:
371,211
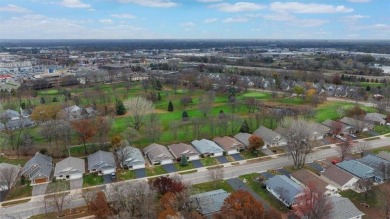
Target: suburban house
319,131
11,174
209,203
207,148
339,178
14,120
158,154
178,150
379,165
270,137
360,170
243,138
70,168
102,162
384,155
38,169
130,157
308,179
358,125
375,118
344,129
284,189
229,145
75,112
344,208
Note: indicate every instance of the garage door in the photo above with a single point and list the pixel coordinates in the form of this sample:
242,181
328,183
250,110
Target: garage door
76,176
218,154
233,152
166,162
139,166
40,180
108,171
194,157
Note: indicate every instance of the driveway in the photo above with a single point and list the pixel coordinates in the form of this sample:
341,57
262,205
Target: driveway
315,166
237,157
170,168
237,184
2,196
373,133
284,172
140,173
76,183
196,163
222,159
266,175
39,189
267,151
107,179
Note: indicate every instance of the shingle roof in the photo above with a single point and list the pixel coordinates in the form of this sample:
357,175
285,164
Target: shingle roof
356,168
308,179
43,165
211,202
354,122
343,208
319,129
376,163
101,160
375,117
228,143
178,150
337,175
290,188
267,134
70,165
384,155
243,138
131,156
156,152
205,146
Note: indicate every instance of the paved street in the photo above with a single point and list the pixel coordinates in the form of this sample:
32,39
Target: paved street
34,207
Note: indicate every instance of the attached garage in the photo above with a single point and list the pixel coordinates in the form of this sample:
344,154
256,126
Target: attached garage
233,152
108,171
40,180
193,157
139,166
166,161
76,176
217,154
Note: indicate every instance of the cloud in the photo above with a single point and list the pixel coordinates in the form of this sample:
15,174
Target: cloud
152,3
279,17
123,16
207,1
13,9
307,22
188,24
359,1
356,17
74,4
210,20
105,21
236,20
295,7
237,7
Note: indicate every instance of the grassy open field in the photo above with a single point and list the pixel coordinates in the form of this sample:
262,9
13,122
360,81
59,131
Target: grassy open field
328,110
209,186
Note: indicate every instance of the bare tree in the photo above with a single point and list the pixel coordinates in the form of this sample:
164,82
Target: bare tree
138,109
153,128
364,185
361,147
122,154
57,198
206,103
298,134
345,147
131,134
8,176
89,195
133,200
215,174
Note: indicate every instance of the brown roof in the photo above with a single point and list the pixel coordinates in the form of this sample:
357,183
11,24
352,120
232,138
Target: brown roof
309,179
337,175
228,143
178,150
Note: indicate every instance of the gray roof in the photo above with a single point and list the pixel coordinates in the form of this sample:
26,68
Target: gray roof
343,208
157,152
375,117
10,113
319,129
205,146
131,156
337,175
39,164
243,138
101,160
330,123
228,143
356,168
267,134
70,165
19,123
355,123
290,188
178,150
375,162
211,202
384,155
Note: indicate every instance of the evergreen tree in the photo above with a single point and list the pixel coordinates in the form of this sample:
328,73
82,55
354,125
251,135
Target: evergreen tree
244,127
43,100
55,99
120,108
183,161
184,116
23,105
158,85
158,96
170,106
368,88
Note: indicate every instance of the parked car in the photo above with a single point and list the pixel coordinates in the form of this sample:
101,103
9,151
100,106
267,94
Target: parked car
352,135
113,176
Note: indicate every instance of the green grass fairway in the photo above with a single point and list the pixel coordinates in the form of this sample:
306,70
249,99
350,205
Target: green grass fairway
48,92
328,110
258,95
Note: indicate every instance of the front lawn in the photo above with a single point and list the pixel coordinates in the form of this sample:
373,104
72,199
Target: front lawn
155,170
209,161
126,175
382,129
377,150
20,191
209,186
249,154
181,168
92,180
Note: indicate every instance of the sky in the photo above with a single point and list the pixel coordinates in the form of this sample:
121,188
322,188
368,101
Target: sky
194,19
